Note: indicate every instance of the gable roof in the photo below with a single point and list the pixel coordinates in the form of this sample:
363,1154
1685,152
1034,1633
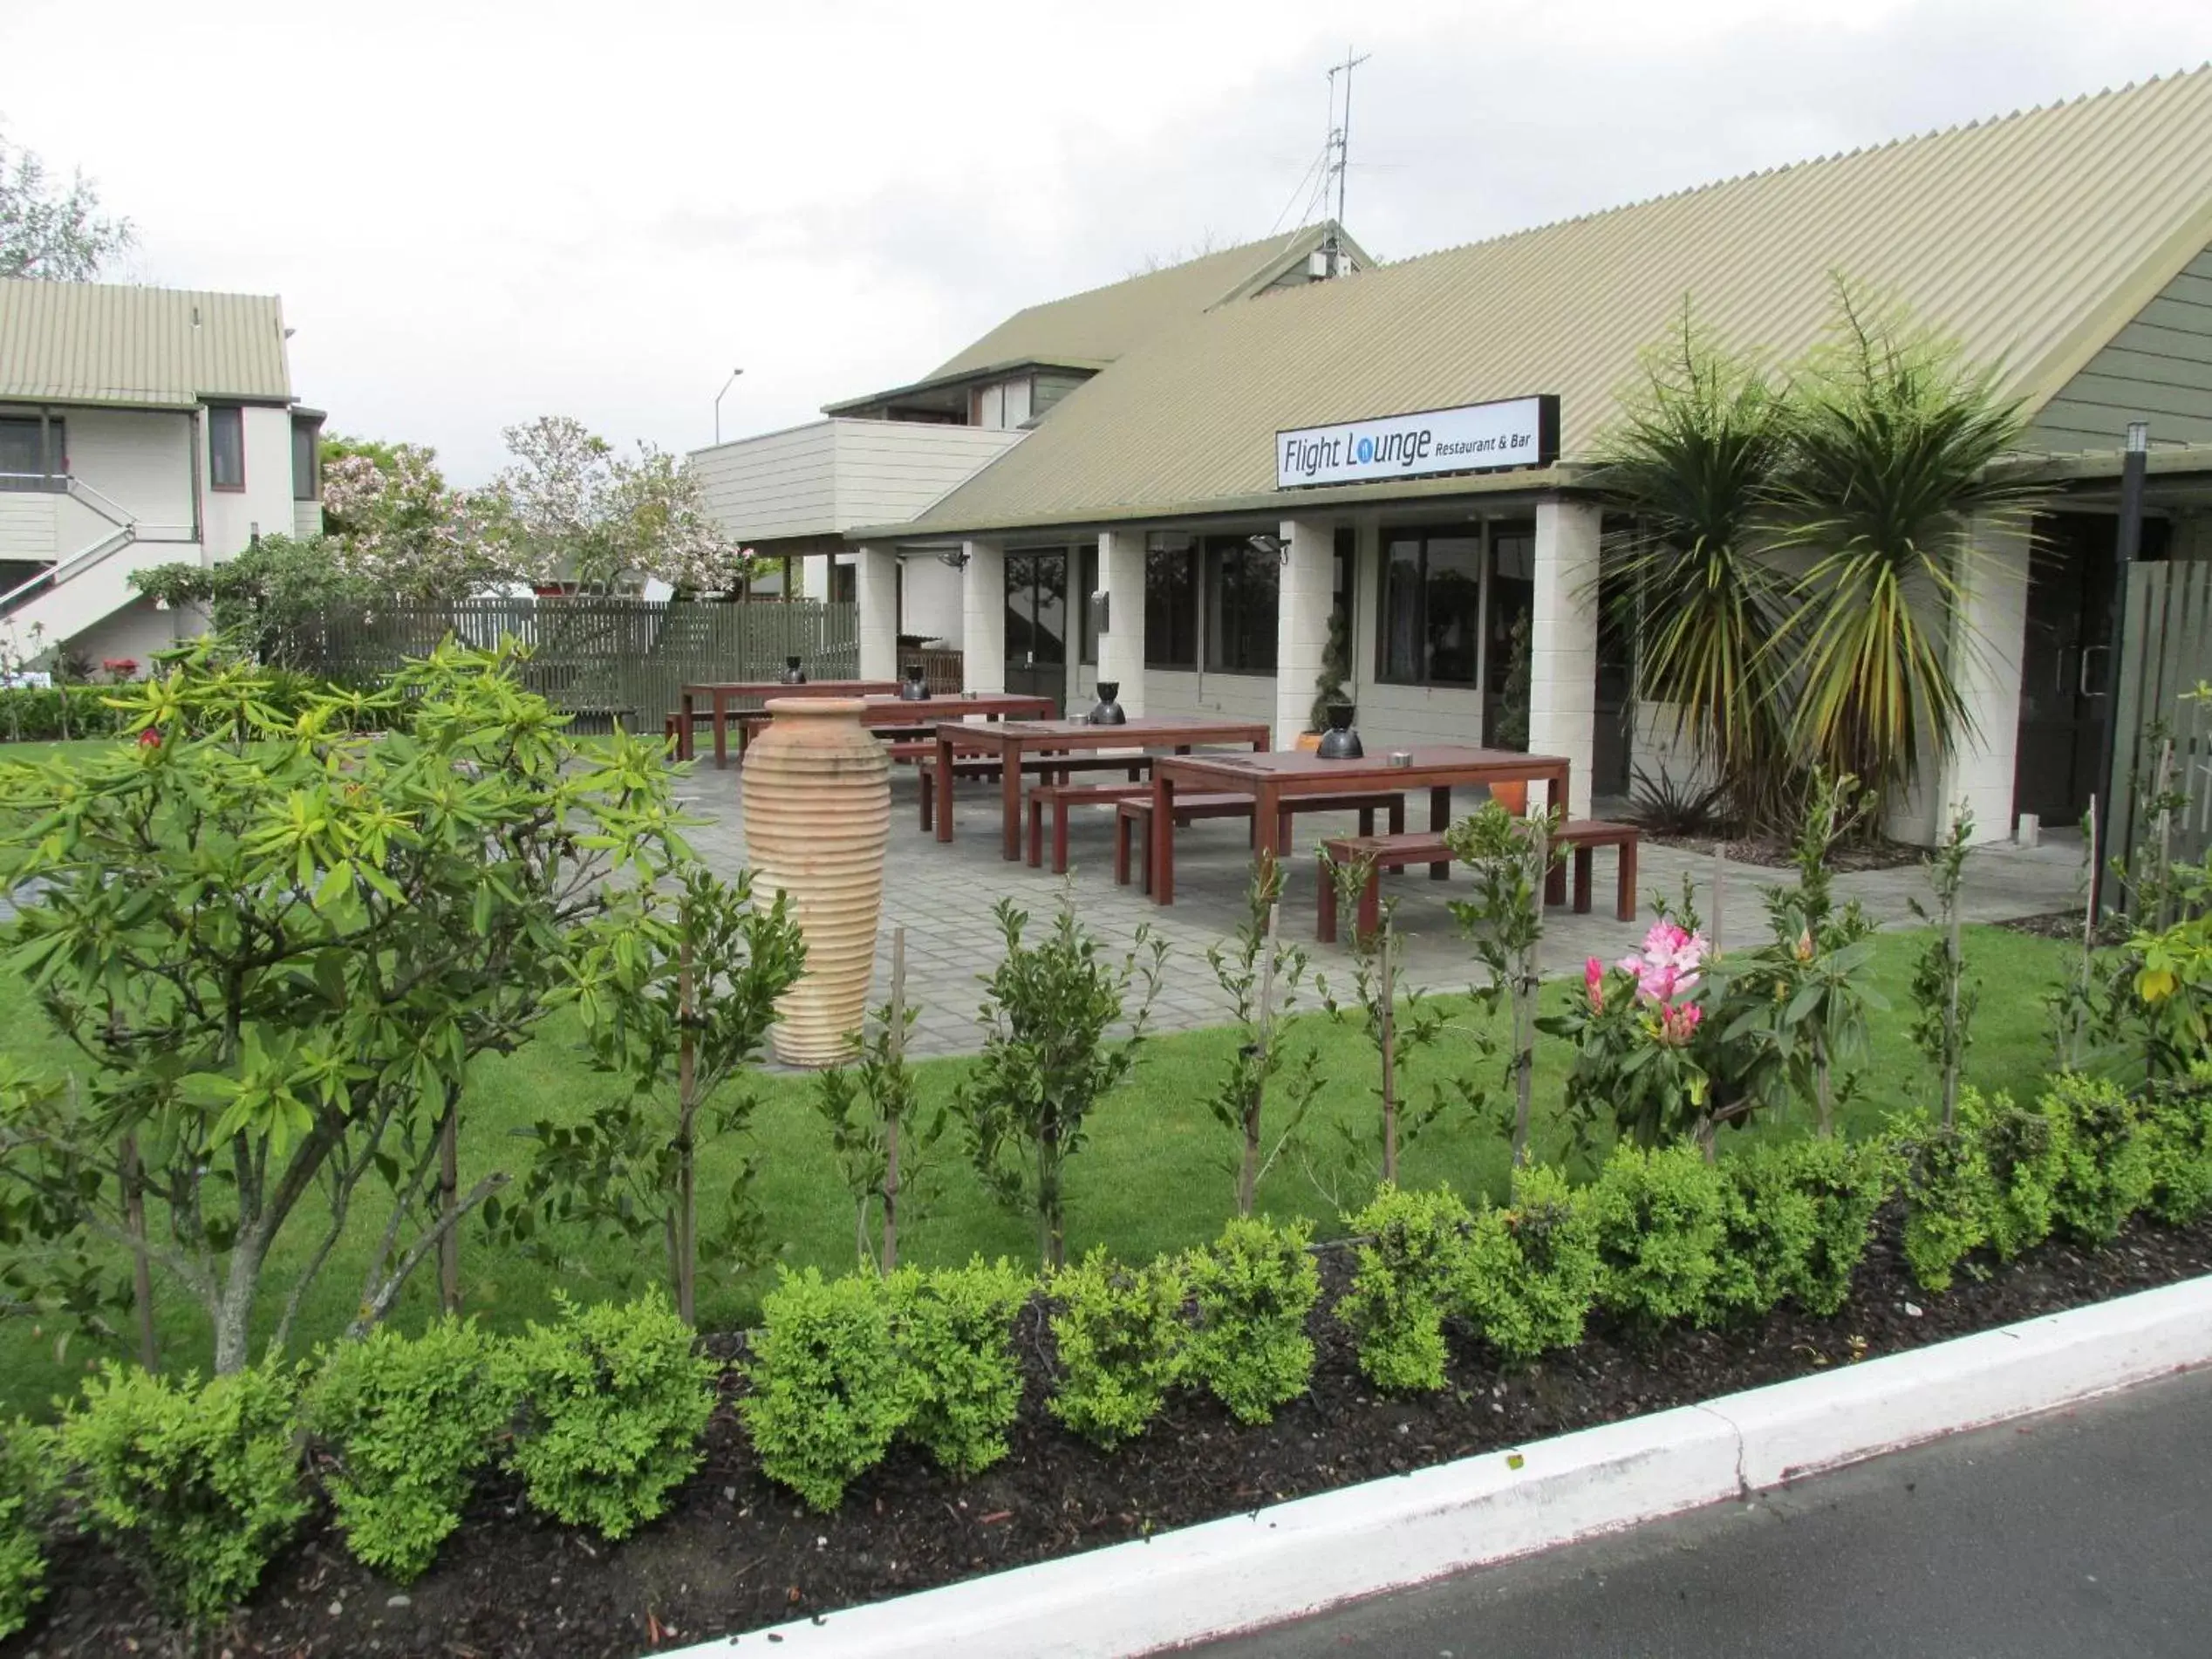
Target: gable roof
154,347
2029,239
1092,328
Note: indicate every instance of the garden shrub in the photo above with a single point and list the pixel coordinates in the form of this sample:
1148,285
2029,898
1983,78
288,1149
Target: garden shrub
2177,1125
2107,1174
1948,1197
198,1485
1848,1182
1409,1270
1657,1220
1769,1223
411,1421
1530,1271
614,1405
827,1393
26,1501
33,714
954,1332
1254,1286
1119,1330
2025,1154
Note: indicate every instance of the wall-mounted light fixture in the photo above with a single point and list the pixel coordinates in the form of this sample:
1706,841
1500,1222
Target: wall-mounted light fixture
1275,545
956,559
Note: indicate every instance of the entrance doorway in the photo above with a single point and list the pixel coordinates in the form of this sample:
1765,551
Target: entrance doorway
1037,619
2065,659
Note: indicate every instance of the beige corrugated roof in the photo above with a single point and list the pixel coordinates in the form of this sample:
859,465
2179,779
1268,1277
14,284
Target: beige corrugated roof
1090,330
2030,239
104,342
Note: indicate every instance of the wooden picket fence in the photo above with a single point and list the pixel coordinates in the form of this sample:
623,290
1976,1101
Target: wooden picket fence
606,660
2166,654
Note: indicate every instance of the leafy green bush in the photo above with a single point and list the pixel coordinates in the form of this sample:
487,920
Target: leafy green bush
2107,1174
1657,1217
2177,1125
1531,1271
614,1405
411,1420
1119,1330
1950,1195
1768,1225
1254,1286
26,1500
954,1330
1409,1269
33,714
2025,1154
1848,1181
197,1485
827,1393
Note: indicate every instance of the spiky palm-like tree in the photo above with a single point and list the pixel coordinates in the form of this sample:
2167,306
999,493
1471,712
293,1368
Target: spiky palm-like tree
1891,440
1690,464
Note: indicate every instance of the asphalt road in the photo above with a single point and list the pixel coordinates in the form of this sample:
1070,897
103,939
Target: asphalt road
2085,1534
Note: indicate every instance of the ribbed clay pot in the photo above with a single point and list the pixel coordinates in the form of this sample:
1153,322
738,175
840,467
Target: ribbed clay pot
818,819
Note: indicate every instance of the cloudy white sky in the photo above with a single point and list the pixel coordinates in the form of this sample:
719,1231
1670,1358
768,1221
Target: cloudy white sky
478,213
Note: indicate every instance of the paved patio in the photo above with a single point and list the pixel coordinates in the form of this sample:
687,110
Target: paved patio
944,895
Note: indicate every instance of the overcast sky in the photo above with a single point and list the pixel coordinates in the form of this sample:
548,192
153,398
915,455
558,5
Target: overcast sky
600,211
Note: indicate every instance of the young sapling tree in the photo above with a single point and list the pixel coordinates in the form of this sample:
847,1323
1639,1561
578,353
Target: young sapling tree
1511,858
1943,997
1048,1060
877,1128
1261,976
679,1004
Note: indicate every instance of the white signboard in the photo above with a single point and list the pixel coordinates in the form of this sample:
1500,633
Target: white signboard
1520,432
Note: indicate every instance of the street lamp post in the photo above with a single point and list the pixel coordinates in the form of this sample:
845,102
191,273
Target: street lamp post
719,396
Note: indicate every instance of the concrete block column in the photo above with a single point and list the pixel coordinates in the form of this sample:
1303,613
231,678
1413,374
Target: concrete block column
1563,646
1301,621
983,617
1121,642
875,593
1988,637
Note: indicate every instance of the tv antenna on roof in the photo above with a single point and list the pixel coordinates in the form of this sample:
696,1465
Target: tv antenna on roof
1340,128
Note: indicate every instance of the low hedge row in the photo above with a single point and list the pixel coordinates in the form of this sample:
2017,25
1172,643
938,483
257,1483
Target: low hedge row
600,1415
33,714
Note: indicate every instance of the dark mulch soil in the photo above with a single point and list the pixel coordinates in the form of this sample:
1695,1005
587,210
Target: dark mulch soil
1765,852
737,1552
2067,925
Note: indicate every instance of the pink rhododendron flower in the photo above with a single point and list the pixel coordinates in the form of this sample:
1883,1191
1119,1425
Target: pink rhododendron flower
1594,981
1678,1023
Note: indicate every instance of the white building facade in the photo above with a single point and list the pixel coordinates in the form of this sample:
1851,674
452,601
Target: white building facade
139,426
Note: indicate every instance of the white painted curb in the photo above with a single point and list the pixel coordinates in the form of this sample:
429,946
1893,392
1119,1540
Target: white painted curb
1251,1570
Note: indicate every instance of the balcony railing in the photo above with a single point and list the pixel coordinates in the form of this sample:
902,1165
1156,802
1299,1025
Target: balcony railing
44,483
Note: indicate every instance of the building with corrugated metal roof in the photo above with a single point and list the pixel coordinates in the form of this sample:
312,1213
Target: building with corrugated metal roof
1393,455
139,426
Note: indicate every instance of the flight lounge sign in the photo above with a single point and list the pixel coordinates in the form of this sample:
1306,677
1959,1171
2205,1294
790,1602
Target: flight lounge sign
1518,432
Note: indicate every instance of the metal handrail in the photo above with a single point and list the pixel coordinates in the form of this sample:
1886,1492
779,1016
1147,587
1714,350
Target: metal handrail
113,510
64,569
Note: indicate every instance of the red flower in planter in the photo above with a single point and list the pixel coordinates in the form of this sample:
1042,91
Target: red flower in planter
120,667
149,738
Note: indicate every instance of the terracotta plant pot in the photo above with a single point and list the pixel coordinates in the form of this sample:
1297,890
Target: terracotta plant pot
1511,797
817,820
1307,740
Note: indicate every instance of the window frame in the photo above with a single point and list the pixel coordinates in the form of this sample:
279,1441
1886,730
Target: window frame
1153,661
236,413
1215,553
1423,534
311,434
52,439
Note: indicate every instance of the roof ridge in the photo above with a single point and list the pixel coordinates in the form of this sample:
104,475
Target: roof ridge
1279,244
1826,158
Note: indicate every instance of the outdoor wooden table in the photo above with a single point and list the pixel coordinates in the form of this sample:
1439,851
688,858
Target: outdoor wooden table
893,716
1438,767
722,693
1011,740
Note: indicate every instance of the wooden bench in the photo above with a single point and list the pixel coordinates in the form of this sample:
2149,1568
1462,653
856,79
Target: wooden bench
1133,819
1059,798
1052,768
1584,835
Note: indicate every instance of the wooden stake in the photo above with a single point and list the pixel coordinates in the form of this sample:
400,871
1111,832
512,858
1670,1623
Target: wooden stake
142,1261
1248,1178
1390,1057
448,1203
1720,891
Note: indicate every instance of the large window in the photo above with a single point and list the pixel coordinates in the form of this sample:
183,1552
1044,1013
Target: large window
31,454
1087,584
1170,609
1429,629
1241,586
227,448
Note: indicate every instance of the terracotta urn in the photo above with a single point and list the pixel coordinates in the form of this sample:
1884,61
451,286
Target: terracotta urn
817,820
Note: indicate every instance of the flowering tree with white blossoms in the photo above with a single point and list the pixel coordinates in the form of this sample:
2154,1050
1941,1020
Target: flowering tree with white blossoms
571,508
393,520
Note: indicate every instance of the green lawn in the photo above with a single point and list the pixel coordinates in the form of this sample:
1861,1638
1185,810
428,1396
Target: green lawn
1155,1175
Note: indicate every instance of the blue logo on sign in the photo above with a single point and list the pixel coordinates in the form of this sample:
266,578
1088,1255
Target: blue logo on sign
1366,450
